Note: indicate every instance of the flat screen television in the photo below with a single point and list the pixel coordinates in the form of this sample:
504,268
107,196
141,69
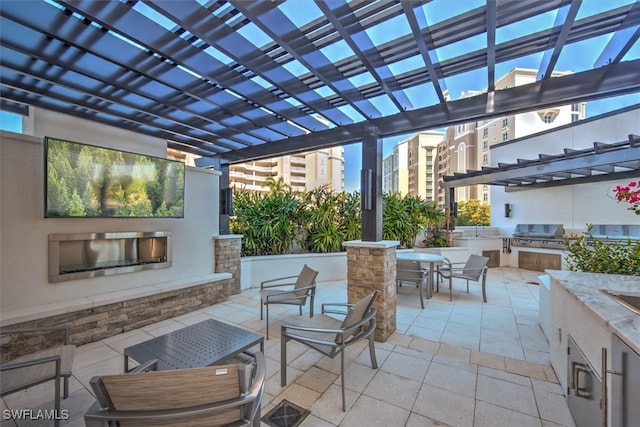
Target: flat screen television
85,181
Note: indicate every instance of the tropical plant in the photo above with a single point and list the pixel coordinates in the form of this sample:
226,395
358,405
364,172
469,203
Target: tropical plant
269,222
588,254
473,212
321,220
333,218
404,217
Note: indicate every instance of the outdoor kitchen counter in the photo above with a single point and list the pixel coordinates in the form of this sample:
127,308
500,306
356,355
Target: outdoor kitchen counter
585,288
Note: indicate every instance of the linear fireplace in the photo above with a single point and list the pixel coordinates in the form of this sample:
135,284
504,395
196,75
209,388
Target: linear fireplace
83,255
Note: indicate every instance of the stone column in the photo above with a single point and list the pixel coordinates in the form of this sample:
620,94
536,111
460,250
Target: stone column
227,253
372,266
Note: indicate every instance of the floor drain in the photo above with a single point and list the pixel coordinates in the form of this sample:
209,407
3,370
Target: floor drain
285,414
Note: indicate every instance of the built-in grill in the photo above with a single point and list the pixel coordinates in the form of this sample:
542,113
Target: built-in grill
551,235
538,236
614,232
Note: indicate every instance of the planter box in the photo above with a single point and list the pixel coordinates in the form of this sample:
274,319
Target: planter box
330,267
255,269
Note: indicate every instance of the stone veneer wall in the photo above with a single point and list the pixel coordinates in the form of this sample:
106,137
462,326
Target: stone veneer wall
227,253
103,321
372,266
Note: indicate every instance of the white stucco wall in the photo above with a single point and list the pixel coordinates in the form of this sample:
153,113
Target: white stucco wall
24,230
572,205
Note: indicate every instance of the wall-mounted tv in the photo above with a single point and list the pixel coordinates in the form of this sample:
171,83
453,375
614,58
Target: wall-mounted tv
83,181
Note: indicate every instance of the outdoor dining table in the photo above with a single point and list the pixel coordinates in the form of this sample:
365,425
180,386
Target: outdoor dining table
421,257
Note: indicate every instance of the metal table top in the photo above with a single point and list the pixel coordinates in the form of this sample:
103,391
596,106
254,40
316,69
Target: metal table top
202,344
419,256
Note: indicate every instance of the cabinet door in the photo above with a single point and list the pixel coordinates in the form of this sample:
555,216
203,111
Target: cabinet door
536,261
528,260
625,385
550,261
494,258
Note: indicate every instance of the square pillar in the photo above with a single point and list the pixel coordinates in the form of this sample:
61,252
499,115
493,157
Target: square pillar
372,266
227,250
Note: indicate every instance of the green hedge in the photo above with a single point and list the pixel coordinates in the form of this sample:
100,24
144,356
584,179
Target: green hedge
320,220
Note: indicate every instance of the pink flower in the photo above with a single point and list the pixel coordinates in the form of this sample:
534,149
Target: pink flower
631,194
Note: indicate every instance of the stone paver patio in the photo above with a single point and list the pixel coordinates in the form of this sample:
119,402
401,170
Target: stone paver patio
459,363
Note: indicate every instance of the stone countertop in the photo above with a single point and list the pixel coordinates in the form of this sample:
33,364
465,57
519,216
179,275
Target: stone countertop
585,287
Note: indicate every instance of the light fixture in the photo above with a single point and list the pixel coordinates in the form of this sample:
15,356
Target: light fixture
507,210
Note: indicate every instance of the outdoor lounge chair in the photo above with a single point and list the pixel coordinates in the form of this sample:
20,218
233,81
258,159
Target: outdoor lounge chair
51,364
475,269
304,287
413,273
196,397
331,336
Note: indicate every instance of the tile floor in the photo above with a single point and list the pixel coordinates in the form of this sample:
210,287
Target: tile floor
460,363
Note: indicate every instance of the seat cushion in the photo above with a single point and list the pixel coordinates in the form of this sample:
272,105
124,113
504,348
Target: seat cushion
320,322
286,298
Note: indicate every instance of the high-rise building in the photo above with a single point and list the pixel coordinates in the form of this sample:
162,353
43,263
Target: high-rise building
304,171
325,167
411,169
468,146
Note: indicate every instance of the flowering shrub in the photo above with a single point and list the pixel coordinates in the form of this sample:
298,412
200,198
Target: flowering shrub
631,194
585,253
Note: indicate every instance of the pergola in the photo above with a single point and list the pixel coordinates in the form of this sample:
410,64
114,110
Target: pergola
239,80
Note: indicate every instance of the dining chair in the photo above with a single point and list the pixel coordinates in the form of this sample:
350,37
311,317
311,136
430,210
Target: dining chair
303,288
474,269
330,336
413,273
437,265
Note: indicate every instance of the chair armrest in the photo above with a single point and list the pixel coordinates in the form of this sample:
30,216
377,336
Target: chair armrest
7,331
307,338
8,366
259,374
262,284
335,304
448,263
339,332
466,270
29,373
281,296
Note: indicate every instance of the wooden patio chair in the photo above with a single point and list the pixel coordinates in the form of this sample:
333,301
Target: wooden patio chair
50,364
303,288
212,396
331,336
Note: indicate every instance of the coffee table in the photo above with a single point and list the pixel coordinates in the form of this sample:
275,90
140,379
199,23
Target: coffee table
202,344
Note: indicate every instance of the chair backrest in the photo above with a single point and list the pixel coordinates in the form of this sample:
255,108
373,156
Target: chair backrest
408,271
306,278
175,390
357,312
475,266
